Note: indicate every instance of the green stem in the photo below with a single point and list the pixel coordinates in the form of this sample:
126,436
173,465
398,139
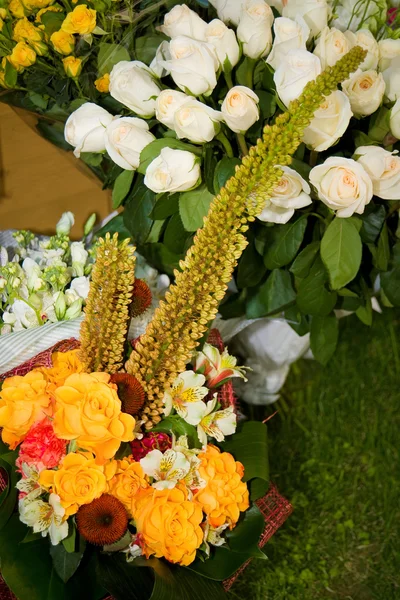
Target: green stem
250,72
242,144
228,79
313,158
396,206
221,137
79,88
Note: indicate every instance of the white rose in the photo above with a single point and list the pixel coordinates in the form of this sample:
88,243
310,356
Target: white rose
314,12
291,192
365,90
132,83
224,41
254,29
125,139
181,20
162,54
196,122
228,10
193,65
388,50
240,108
395,120
295,71
331,46
384,169
329,123
366,40
85,128
65,223
172,171
391,77
343,185
80,286
289,35
167,104
79,257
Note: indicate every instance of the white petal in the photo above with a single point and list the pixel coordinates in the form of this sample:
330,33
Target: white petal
151,463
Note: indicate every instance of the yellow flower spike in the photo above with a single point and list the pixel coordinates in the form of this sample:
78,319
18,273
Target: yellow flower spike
104,329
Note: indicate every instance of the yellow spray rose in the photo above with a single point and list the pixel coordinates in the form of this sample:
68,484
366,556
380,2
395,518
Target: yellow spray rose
64,365
1,24
129,478
3,13
25,31
22,56
17,9
88,410
72,66
35,4
63,43
43,11
81,20
103,83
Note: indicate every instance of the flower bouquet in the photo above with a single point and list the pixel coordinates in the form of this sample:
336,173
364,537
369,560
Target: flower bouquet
132,478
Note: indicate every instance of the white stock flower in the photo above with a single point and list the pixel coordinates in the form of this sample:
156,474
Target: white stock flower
80,286
125,139
331,46
365,90
254,29
357,14
289,35
133,84
343,185
384,169
85,128
389,49
365,39
216,424
240,108
297,68
196,122
186,397
173,171
391,77
167,104
25,316
162,54
329,123
224,42
33,274
228,11
193,65
395,120
65,223
79,257
45,518
290,193
314,12
166,469
181,20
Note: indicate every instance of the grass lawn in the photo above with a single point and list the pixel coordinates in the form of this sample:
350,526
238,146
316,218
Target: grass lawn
334,452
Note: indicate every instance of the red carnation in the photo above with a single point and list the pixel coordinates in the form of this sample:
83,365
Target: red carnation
41,447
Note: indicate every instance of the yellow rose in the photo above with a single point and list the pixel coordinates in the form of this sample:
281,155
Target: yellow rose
169,524
88,410
72,66
63,42
24,30
22,56
64,365
81,20
23,401
3,13
1,24
43,11
17,9
103,83
127,481
34,4
78,480
225,494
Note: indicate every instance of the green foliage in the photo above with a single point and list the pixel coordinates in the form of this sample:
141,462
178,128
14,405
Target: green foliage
136,216
341,250
313,296
121,188
109,55
193,207
324,337
274,295
285,243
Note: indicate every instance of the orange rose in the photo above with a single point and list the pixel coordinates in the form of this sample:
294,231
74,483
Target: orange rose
23,402
64,365
169,524
79,480
127,481
88,410
225,494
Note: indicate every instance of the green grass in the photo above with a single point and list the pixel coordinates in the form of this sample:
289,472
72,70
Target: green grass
334,452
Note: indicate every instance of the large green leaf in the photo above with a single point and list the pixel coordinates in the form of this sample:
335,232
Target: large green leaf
121,188
341,251
273,295
152,150
175,235
65,563
52,21
224,564
166,205
161,258
286,243
194,206
302,264
381,261
109,55
137,212
250,447
8,496
224,170
312,297
324,337
373,220
176,425
251,268
391,285
247,533
146,46
116,225
379,125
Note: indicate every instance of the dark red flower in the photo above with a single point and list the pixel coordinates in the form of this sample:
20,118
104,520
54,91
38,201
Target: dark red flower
102,522
141,299
150,441
130,392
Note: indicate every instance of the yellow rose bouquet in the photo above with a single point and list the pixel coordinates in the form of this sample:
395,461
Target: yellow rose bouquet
126,470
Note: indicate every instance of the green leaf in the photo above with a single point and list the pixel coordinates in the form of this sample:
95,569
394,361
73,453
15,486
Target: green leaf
324,337
146,46
267,104
121,188
194,206
166,206
155,232
65,563
209,166
297,321
70,541
303,262
38,100
93,159
361,139
109,55
221,566
373,220
251,268
258,488
273,296
364,312
8,496
383,250
224,170
246,535
250,447
116,225
176,425
301,167
52,21
391,285
152,150
379,125
161,258
312,297
175,235
341,251
137,212
286,243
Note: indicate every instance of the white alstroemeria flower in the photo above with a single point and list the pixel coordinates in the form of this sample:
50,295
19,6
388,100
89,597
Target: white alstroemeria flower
216,367
29,483
213,536
134,550
45,518
192,480
216,424
166,469
186,397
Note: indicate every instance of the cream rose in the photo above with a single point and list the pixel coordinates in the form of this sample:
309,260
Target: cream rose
329,123
85,128
365,90
254,29
314,12
240,108
125,139
388,50
167,104
391,77
395,120
172,171
224,42
193,65
197,122
384,169
181,20
291,192
289,35
366,40
228,11
331,46
343,185
162,54
133,84
295,71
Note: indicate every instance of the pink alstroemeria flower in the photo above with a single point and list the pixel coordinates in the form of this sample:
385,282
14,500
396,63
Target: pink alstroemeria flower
217,368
